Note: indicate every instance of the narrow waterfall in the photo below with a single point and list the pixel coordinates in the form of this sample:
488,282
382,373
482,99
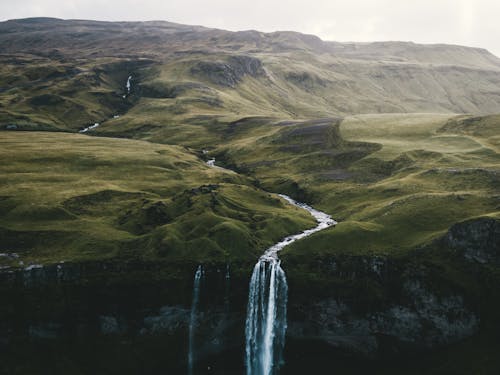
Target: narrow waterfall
128,85
193,317
266,324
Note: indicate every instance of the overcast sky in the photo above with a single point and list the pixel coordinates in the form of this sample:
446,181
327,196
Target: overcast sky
467,22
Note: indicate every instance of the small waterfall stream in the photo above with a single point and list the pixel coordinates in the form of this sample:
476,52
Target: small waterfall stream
193,317
128,86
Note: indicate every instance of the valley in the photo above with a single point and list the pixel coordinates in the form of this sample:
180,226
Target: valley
199,131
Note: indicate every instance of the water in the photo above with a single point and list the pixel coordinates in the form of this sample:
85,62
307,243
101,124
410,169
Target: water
266,318
193,317
128,84
85,130
266,324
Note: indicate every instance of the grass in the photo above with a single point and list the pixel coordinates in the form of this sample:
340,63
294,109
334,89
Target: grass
431,182
73,197
40,93
395,194
395,182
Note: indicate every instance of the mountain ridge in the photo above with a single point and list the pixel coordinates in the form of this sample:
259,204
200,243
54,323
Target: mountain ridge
328,45
182,71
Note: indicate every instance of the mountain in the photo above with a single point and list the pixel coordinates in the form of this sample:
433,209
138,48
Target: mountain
179,69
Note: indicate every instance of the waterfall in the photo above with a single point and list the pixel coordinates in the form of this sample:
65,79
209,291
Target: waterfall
266,318
193,317
265,327
128,84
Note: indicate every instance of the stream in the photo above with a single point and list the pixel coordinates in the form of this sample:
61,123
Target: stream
128,86
266,323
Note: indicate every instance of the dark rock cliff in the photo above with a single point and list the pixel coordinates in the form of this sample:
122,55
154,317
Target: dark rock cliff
477,240
371,307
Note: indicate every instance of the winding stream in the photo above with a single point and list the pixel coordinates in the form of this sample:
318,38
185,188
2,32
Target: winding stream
266,323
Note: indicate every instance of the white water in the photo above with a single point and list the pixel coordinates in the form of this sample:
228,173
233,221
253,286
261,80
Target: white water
128,86
85,130
193,317
266,325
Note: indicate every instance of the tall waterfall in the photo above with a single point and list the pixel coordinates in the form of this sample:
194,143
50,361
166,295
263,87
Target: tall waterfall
265,327
193,317
266,318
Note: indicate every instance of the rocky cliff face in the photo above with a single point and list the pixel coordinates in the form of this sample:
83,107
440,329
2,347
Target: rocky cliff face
411,316
129,305
408,312
228,73
378,305
477,240
368,306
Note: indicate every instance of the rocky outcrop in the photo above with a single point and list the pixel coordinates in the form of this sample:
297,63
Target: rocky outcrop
379,306
419,319
364,305
131,305
478,240
228,73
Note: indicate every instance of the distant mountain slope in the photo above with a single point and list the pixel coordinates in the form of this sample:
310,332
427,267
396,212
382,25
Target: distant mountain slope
180,69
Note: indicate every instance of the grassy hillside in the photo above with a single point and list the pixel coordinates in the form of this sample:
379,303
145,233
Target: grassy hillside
66,75
395,182
429,173
70,197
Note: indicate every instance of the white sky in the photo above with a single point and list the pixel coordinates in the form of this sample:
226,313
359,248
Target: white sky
467,22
